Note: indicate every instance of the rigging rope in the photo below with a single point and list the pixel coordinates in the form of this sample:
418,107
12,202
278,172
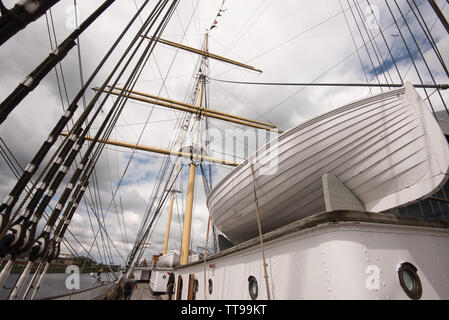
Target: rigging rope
408,49
422,56
355,45
74,178
164,167
365,44
428,35
380,60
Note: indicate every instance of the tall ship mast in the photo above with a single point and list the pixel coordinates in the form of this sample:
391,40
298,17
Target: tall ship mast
195,187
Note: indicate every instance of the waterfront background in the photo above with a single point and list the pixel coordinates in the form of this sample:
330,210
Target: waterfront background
54,284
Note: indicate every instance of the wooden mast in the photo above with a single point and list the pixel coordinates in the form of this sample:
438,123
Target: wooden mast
185,245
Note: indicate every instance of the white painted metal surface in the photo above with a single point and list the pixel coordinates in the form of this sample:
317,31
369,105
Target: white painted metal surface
387,150
345,260
142,273
97,293
159,280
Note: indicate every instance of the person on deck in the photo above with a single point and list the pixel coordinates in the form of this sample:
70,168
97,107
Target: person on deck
171,285
128,288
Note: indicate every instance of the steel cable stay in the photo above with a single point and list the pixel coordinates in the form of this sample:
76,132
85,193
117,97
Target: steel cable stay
117,211
91,147
312,83
95,241
165,174
34,78
17,169
10,201
146,234
167,190
182,123
64,84
422,56
428,34
368,30
135,70
149,48
422,44
300,34
408,49
104,243
19,235
241,33
52,251
145,124
26,225
443,86
80,68
355,45
126,99
390,53
365,45
324,73
81,165
143,238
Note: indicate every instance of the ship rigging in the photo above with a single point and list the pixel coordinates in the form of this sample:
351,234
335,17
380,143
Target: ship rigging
62,177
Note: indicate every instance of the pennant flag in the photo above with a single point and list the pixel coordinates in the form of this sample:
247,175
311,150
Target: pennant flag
214,24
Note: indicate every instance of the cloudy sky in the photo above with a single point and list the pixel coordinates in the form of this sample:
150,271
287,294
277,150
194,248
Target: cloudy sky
290,40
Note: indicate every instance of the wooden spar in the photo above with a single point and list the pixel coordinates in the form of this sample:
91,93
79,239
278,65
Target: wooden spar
207,54
196,110
181,154
194,107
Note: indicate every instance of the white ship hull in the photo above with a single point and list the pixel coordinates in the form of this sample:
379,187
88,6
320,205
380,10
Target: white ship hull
142,273
332,255
387,150
159,281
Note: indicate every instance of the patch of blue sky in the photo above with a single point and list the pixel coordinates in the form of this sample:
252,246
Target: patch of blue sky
401,55
136,162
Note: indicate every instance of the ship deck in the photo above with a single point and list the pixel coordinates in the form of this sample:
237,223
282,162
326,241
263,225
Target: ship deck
142,292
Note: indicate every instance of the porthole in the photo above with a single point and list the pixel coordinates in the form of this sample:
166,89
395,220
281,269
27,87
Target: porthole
409,280
211,286
195,285
252,287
